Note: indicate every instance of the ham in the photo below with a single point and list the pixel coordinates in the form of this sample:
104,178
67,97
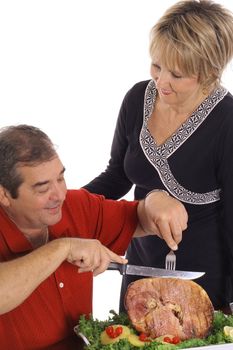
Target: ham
159,306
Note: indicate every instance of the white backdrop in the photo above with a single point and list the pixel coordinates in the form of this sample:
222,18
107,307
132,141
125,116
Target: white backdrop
71,61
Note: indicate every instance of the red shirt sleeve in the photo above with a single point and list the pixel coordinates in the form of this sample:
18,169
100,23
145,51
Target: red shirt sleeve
88,215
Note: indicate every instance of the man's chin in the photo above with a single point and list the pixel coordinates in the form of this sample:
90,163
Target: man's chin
54,219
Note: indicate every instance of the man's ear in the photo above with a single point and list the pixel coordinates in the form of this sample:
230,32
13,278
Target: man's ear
4,197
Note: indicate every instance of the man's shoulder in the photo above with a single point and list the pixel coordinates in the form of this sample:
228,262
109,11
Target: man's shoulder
81,194
81,199
78,207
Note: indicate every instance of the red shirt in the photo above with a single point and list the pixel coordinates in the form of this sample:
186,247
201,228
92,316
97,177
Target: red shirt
49,314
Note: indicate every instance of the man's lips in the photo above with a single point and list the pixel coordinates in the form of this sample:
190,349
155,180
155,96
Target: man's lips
54,209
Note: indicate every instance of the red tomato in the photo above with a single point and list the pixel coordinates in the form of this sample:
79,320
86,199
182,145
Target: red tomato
118,330
167,340
176,340
113,333
109,330
142,336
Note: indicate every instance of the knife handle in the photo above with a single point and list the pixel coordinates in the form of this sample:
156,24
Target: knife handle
119,267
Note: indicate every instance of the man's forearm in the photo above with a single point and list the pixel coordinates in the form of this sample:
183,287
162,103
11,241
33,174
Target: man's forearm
20,277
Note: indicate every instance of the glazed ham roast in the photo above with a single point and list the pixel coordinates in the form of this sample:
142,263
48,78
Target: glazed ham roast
159,306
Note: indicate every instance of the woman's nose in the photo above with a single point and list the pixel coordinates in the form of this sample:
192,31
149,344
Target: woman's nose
162,77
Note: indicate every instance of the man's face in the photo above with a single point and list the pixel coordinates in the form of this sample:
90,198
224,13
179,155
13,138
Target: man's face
40,196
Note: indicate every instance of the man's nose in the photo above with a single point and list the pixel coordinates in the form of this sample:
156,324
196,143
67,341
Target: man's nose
57,192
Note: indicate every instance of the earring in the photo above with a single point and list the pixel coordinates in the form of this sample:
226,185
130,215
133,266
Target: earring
205,90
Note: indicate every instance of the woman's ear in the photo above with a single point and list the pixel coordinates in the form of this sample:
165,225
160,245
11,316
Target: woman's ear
4,197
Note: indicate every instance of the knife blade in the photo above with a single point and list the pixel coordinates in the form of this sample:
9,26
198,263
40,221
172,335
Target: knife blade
146,271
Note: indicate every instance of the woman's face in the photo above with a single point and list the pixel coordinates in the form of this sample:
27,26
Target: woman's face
173,87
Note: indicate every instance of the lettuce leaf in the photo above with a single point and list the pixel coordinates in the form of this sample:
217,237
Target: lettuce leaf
92,329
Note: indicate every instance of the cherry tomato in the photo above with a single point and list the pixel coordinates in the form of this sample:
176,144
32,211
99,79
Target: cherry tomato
175,340
114,333
118,330
109,330
142,336
167,340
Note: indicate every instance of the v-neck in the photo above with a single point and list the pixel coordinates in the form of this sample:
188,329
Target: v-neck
158,155
188,127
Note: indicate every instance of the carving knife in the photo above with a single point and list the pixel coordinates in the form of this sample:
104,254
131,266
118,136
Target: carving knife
146,271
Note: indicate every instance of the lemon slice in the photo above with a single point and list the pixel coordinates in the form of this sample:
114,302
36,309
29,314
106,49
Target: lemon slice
231,333
228,331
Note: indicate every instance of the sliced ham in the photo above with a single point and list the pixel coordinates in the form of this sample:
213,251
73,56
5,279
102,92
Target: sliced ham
159,306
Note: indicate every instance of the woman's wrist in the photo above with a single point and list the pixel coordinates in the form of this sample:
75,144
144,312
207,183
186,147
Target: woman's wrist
156,190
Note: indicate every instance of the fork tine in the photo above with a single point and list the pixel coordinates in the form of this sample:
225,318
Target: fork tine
170,261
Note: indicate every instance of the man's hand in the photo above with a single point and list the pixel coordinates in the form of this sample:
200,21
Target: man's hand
87,254
91,255
163,216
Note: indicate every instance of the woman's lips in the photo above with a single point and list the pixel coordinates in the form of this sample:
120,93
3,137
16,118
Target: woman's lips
165,92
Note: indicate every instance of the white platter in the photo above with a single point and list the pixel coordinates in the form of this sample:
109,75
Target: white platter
214,347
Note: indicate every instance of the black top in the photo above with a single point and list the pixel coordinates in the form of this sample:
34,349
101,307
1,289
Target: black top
195,165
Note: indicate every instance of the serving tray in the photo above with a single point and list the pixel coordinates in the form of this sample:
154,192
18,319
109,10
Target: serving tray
207,347
225,346
213,347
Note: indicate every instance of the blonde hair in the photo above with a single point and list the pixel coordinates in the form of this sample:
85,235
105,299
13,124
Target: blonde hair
196,37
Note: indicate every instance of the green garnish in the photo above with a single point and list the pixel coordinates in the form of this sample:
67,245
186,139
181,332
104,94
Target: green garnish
92,329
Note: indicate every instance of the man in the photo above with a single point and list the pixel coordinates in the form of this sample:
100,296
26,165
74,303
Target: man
52,241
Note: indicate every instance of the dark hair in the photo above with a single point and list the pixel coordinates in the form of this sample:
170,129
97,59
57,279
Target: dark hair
21,145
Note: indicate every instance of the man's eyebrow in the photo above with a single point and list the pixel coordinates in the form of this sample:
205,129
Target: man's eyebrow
41,183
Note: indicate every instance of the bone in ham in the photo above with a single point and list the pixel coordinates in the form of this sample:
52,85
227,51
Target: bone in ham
159,306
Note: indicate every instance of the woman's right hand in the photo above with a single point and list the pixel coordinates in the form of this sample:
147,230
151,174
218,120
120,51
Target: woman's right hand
166,217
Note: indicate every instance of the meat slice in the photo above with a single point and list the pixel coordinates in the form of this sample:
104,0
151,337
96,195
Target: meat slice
159,306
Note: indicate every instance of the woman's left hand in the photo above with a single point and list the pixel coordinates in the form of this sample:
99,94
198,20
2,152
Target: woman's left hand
164,216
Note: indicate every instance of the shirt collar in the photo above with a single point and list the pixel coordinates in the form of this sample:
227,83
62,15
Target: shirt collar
14,238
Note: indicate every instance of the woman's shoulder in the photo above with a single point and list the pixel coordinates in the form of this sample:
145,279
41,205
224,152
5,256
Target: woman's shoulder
228,101
137,89
223,116
141,85
226,107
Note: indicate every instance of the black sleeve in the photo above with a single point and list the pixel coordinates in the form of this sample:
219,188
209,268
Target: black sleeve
113,182
225,173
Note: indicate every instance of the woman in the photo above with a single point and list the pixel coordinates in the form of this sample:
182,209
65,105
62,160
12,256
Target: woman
175,134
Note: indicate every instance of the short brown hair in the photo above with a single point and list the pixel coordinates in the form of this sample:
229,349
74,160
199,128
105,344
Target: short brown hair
21,145
196,36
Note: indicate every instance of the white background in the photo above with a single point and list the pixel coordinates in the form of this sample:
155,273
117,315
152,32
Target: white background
65,66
